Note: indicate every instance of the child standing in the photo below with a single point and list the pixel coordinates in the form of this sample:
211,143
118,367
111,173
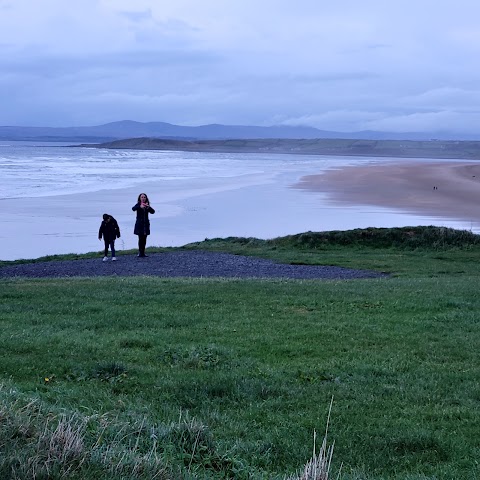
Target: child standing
110,231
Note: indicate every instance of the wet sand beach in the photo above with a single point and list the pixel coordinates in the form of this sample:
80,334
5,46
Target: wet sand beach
263,204
443,190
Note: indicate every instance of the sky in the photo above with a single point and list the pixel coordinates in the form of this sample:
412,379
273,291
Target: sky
343,65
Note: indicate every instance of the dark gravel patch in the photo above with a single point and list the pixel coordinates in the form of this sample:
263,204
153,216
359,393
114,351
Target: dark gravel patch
194,263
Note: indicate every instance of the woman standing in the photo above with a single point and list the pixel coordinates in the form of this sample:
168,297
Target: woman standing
142,224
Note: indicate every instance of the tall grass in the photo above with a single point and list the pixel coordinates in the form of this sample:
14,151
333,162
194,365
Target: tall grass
318,467
37,442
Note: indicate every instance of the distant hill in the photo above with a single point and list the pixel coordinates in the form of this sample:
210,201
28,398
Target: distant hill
373,148
130,129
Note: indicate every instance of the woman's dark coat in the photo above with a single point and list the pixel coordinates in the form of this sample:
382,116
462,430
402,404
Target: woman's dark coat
142,224
109,230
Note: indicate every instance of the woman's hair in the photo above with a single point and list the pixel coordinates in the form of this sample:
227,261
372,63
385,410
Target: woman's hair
147,200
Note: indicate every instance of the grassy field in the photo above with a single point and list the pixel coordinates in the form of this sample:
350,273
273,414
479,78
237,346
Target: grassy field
220,378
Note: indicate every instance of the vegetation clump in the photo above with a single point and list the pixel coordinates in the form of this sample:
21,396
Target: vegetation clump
405,238
409,238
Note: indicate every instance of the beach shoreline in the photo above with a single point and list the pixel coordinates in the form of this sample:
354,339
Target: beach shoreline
266,203
438,189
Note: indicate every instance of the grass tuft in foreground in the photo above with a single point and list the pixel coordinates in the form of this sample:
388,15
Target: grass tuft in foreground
37,442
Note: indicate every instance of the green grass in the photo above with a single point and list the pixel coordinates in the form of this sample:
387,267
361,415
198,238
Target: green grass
222,378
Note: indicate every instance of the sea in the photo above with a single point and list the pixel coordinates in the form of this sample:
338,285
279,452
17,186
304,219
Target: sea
53,195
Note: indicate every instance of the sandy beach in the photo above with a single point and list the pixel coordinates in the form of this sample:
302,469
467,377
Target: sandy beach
443,190
186,211
266,203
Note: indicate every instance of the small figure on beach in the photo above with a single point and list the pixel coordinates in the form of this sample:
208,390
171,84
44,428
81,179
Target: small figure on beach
142,223
110,231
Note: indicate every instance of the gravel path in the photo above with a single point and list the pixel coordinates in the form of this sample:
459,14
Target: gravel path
194,263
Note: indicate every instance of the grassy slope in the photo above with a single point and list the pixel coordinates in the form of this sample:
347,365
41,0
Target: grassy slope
231,377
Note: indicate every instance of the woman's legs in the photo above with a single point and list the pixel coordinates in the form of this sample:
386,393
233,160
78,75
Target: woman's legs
106,248
142,243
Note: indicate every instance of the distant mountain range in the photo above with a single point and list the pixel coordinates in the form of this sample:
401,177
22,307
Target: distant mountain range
130,129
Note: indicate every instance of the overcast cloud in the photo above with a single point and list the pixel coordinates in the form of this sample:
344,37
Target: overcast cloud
348,65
